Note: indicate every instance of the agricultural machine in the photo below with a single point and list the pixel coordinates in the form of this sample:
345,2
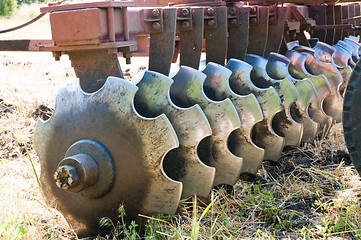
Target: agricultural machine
276,73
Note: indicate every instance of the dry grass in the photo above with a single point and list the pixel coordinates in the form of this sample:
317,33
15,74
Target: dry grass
313,192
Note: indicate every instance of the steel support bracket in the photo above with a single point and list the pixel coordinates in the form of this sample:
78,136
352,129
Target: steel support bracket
258,31
345,15
330,20
338,20
216,34
238,30
153,20
184,19
191,39
318,13
276,28
162,44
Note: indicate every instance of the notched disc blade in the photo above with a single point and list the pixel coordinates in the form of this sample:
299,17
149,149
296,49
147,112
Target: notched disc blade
297,69
270,103
186,91
136,144
191,125
283,124
334,56
356,48
333,103
350,49
216,87
277,68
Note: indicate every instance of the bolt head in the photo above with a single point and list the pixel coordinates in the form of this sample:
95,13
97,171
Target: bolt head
254,20
253,10
272,19
156,25
232,11
210,11
234,22
185,12
185,24
211,23
155,12
66,176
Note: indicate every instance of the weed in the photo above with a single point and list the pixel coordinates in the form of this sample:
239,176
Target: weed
33,167
13,227
120,229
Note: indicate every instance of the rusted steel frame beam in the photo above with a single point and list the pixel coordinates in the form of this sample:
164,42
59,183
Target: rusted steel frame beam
335,26
351,20
33,45
119,46
92,51
75,6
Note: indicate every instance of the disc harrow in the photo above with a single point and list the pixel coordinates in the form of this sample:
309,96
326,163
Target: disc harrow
186,134
170,134
220,125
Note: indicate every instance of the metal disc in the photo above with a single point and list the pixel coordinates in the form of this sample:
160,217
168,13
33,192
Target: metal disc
136,144
270,103
187,91
277,68
297,69
334,55
356,48
283,123
350,49
333,103
216,87
191,125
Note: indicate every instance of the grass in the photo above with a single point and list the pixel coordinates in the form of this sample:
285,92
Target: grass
313,192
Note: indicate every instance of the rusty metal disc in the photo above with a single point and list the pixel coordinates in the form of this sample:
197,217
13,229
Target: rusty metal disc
136,145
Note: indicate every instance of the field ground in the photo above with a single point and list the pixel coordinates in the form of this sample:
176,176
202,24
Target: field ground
313,192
